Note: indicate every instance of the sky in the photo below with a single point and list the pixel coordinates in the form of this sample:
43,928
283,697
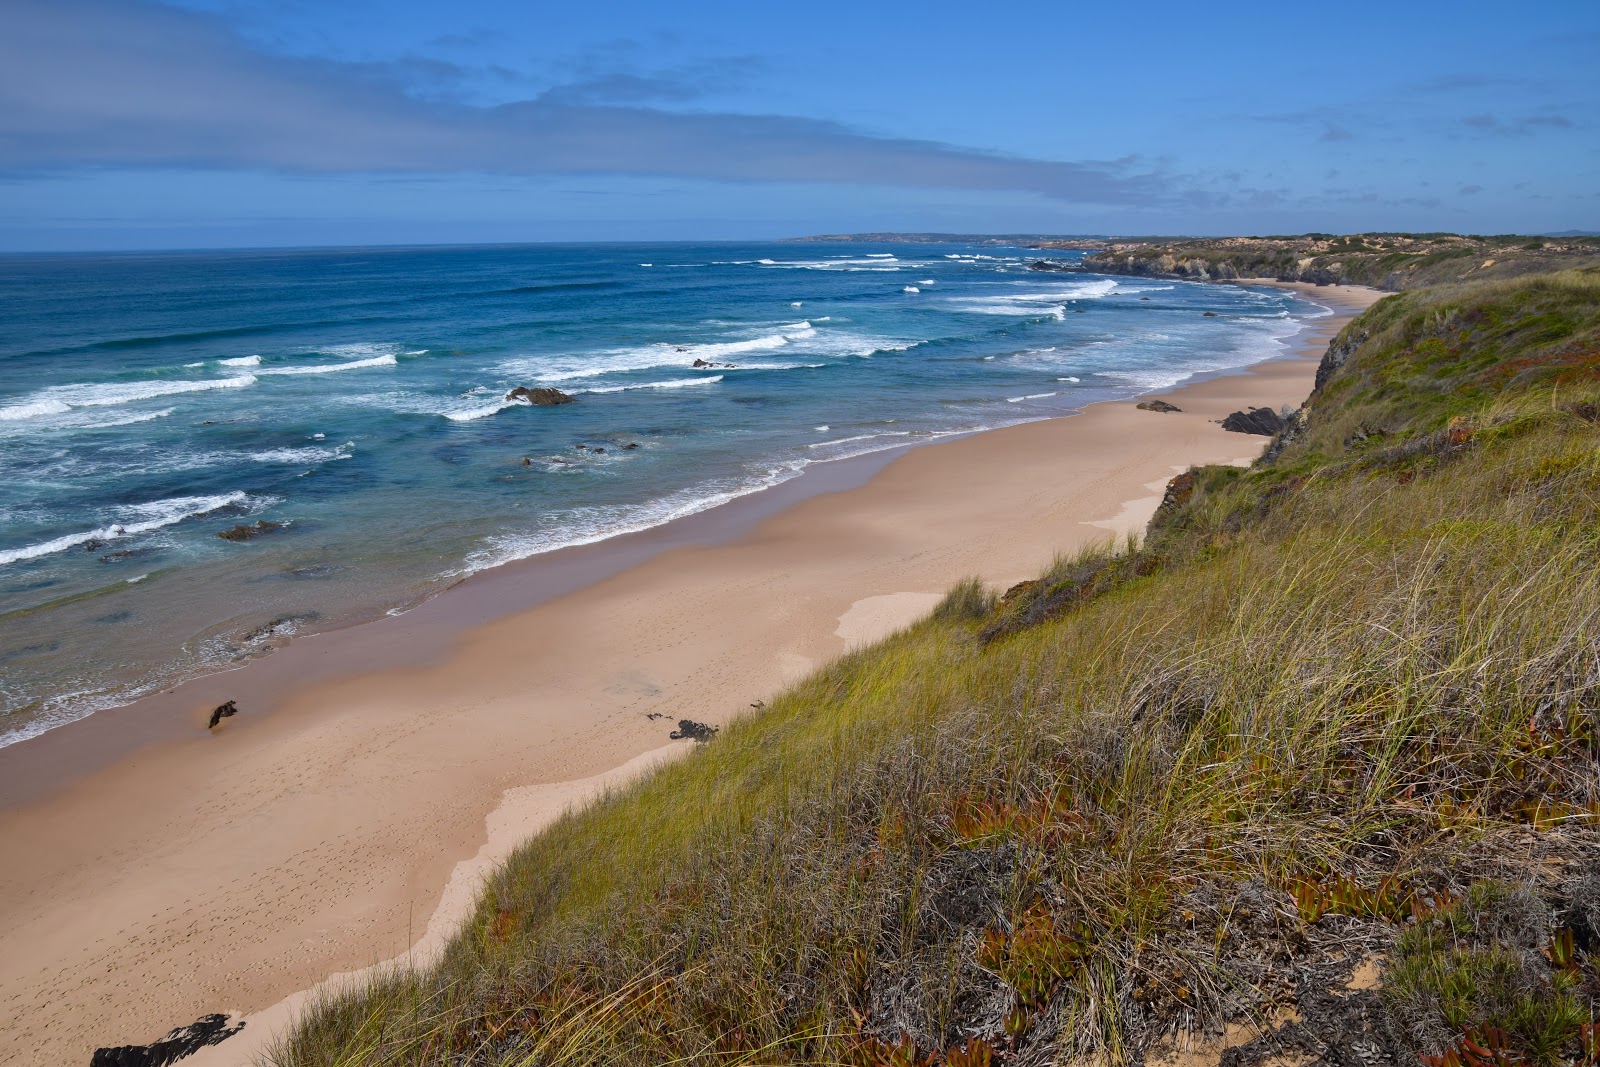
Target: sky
130,124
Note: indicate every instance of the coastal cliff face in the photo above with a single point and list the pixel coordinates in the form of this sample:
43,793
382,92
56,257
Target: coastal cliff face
1393,262
1307,775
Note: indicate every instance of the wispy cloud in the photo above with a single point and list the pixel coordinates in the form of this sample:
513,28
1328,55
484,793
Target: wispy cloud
1522,127
112,83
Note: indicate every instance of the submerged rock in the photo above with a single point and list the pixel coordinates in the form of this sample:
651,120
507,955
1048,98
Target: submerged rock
1263,421
688,729
1157,405
184,1041
708,364
247,532
539,398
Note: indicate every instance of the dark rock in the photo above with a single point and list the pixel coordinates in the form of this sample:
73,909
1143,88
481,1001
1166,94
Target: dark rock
222,711
1157,405
282,626
1052,264
1208,314
599,451
707,364
1144,298
691,730
1294,428
630,446
246,532
1263,421
539,398
526,462
124,554
184,1041
311,570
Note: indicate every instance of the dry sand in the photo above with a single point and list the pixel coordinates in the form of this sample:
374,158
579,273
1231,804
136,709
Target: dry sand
227,871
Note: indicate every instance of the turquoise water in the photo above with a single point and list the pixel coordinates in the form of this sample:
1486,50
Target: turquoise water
357,397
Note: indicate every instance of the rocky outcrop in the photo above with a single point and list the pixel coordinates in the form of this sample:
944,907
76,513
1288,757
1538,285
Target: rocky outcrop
184,1041
1338,354
539,398
249,532
1157,405
708,364
1263,421
1053,264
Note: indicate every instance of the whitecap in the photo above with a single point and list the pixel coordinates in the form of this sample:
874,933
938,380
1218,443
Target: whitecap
241,361
676,383
300,455
795,303
1069,379
647,264
60,399
329,368
1030,396
483,411
34,409
911,289
142,519
824,428
860,437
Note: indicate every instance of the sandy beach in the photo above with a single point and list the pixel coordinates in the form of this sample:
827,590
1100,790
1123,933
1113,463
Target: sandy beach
152,871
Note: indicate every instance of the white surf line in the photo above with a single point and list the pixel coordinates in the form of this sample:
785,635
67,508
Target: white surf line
523,812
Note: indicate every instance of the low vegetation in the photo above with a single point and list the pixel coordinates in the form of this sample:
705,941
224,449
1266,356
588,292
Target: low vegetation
1393,261
1312,767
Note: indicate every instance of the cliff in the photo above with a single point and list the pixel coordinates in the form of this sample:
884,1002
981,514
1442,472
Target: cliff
1392,262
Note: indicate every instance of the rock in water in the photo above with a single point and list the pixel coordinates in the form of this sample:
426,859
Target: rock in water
184,1041
1263,421
539,398
1157,405
246,532
222,711
689,729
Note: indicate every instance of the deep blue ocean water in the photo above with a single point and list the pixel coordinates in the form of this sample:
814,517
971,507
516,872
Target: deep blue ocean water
357,396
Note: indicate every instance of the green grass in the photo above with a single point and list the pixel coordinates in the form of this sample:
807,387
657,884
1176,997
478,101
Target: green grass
1353,689
1395,262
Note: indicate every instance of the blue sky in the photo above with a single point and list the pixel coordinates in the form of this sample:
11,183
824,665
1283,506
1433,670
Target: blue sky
206,123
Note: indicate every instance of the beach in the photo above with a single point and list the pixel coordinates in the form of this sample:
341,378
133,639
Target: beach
155,871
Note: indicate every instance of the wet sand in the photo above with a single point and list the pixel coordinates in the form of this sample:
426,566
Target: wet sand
151,872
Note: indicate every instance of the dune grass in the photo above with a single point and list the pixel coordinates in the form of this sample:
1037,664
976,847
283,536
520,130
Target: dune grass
1347,698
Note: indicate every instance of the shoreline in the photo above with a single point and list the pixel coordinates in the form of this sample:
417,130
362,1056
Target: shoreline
72,750
313,839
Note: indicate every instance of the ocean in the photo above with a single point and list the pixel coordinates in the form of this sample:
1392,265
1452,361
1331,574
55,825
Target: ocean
355,401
